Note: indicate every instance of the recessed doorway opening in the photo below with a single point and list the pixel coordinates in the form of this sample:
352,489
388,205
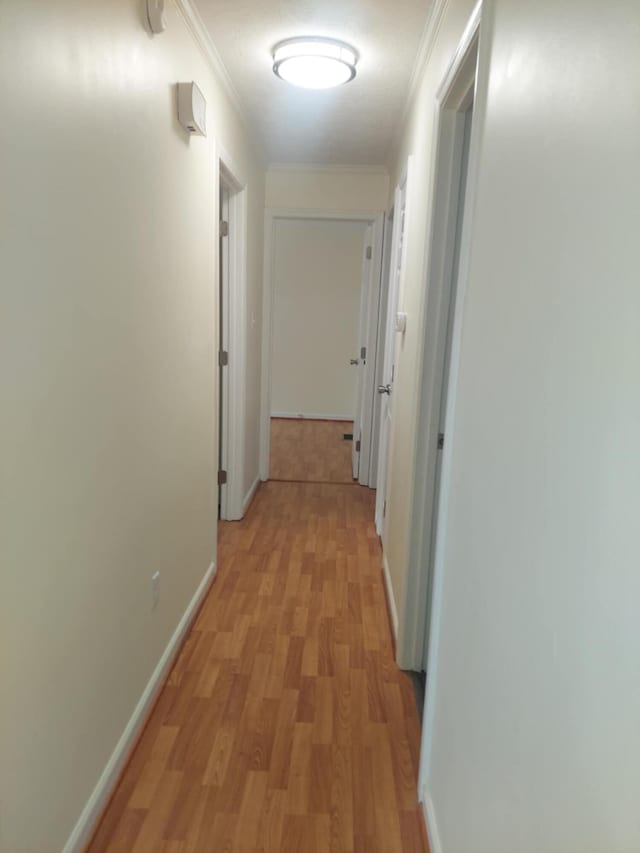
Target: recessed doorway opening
232,230
320,338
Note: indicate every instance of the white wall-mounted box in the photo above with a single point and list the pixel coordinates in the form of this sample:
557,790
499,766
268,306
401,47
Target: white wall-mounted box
192,109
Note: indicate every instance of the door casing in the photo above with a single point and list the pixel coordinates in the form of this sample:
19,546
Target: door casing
233,326
389,343
465,79
376,221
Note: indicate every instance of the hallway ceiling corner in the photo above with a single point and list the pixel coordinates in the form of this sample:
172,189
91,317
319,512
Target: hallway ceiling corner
352,124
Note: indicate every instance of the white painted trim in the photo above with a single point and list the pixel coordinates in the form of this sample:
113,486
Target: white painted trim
446,150
201,36
328,168
385,265
394,294
232,497
235,174
267,346
109,777
469,35
367,216
427,43
432,825
271,216
473,29
225,390
299,416
390,596
250,495
374,286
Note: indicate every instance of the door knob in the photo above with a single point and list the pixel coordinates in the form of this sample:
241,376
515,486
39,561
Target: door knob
384,389
354,361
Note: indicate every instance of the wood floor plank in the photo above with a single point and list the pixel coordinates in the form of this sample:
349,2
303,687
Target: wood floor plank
271,822
285,724
310,450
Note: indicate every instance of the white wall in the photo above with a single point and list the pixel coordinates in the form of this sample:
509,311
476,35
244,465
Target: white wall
535,741
108,382
317,280
328,188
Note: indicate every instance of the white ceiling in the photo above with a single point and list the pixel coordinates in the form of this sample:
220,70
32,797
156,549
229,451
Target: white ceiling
353,124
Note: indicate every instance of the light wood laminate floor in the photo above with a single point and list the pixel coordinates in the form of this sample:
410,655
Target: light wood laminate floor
285,726
310,450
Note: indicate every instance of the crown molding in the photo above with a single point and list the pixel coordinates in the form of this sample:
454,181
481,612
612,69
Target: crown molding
325,168
201,36
425,49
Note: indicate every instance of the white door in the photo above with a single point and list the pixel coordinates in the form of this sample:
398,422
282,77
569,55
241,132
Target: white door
359,360
223,371
378,365
388,373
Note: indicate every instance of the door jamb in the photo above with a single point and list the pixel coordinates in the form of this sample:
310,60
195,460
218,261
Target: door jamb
272,215
385,268
473,48
232,504
369,389
401,187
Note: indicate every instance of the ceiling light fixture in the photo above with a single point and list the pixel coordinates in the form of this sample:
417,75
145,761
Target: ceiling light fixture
315,63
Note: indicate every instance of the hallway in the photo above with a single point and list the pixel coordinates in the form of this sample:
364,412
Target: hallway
285,724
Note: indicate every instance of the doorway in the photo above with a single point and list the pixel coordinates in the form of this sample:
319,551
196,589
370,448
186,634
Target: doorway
322,286
231,298
379,360
385,386
447,255
446,252
223,351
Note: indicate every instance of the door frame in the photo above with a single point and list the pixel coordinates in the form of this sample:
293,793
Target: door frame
391,336
272,216
362,401
382,325
234,375
468,66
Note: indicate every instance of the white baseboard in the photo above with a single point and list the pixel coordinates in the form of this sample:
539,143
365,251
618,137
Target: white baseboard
300,416
432,826
110,775
390,598
249,496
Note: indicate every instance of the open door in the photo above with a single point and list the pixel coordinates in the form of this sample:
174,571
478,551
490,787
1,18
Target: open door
379,357
223,353
388,372
360,360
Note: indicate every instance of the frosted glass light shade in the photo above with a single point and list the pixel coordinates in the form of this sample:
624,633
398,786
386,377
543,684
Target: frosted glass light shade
315,63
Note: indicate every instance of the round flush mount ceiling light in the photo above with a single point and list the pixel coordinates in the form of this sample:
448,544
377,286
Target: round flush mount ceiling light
315,63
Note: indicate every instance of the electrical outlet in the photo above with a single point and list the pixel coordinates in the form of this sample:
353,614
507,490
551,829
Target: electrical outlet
155,590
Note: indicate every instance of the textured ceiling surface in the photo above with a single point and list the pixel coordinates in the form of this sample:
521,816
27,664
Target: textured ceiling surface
353,124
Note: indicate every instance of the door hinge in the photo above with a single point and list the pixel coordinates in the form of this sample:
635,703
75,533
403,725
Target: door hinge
223,358
369,253
358,446
384,509
363,352
222,478
440,440
224,228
